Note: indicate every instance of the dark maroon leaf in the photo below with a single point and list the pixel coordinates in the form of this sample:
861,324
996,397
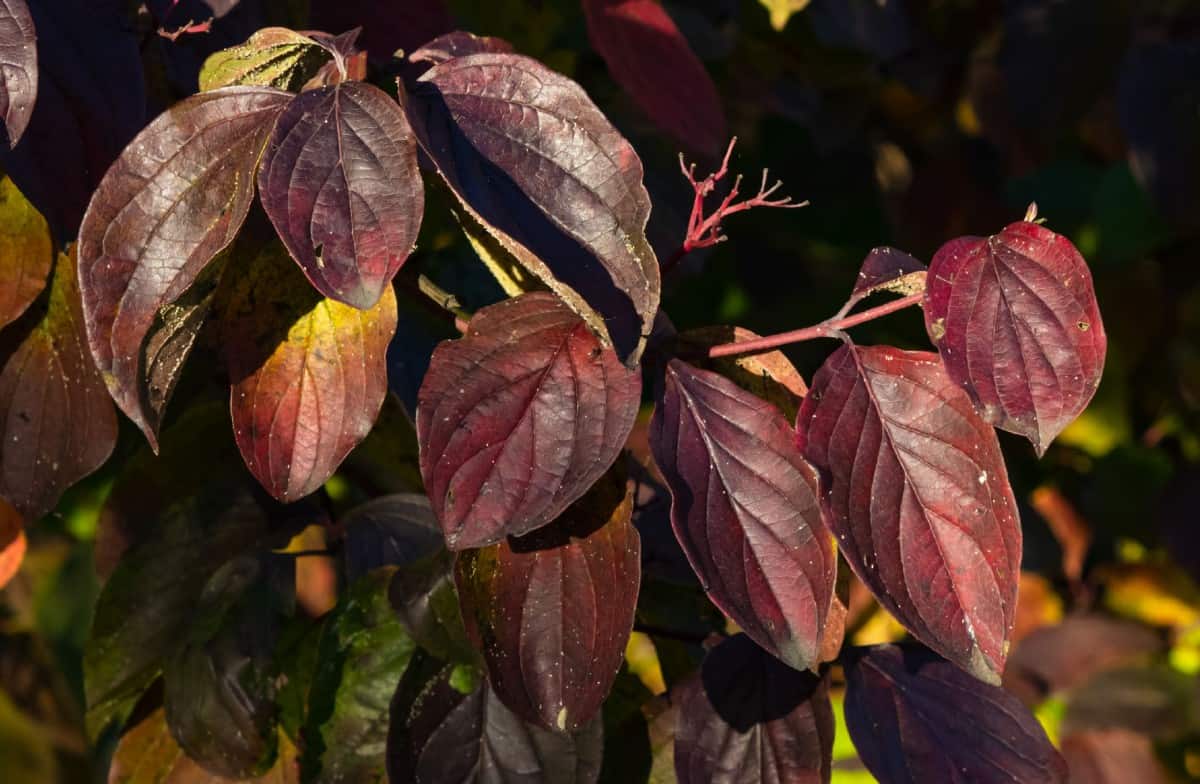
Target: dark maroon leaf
552,611
173,200
888,269
1112,757
1015,319
914,486
392,529
519,418
748,717
339,180
58,424
18,67
458,44
534,161
650,58
745,510
916,718
388,25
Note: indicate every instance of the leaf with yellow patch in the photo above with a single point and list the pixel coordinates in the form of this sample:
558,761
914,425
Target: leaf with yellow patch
272,57
26,252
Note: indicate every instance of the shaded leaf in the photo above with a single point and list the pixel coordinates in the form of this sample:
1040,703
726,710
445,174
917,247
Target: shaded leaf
1015,319
881,29
18,68
745,510
888,269
339,181
424,597
914,486
552,611
58,425
1156,701
915,717
748,717
272,57
534,161
390,530
173,200
519,418
388,27
1112,757
308,375
12,542
26,250
769,375
458,44
627,755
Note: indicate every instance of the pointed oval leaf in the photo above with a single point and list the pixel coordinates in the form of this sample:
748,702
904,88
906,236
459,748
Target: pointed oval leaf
748,717
519,418
914,486
18,68
552,611
648,56
745,510
272,57
26,253
173,200
888,269
339,181
533,160
58,424
458,44
1015,319
392,529
308,375
916,718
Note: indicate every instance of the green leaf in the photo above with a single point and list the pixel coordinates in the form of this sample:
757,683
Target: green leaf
26,252
272,57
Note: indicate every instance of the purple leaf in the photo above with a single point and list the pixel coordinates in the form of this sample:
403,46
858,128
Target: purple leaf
458,44
518,418
552,611
390,530
339,180
745,510
388,25
916,718
888,269
748,717
174,199
533,160
914,486
18,67
1015,319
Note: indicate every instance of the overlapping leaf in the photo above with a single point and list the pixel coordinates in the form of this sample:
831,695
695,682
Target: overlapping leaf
534,161
745,510
388,27
174,199
769,375
748,717
339,180
519,418
308,374
272,57
26,253
392,529
888,269
914,486
648,56
458,44
1015,319
552,611
18,67
916,718
56,422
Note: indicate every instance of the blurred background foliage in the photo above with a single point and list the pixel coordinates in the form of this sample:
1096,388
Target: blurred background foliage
905,123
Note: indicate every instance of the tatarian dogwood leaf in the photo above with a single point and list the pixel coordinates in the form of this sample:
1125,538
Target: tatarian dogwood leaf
551,612
26,253
56,422
888,269
392,529
339,180
308,375
744,507
425,599
748,717
1015,319
272,57
770,375
914,486
458,44
12,542
916,718
18,67
174,199
388,27
648,56
518,418
533,160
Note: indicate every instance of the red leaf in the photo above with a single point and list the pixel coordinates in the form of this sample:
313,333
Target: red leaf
914,486
458,44
1015,319
552,611
916,718
519,418
308,374
339,180
888,269
745,510
175,198
650,58
748,718
18,67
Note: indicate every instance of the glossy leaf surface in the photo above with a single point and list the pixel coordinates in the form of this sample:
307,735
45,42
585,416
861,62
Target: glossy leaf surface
26,253
1015,319
552,611
745,510
519,418
534,161
18,67
175,198
648,56
308,374
917,718
272,57
58,425
915,488
748,717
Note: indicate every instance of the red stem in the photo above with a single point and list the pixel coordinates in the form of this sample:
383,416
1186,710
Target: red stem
826,329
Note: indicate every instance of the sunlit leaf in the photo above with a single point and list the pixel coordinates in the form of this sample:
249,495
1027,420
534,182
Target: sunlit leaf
781,10
458,44
769,375
272,57
888,269
26,251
